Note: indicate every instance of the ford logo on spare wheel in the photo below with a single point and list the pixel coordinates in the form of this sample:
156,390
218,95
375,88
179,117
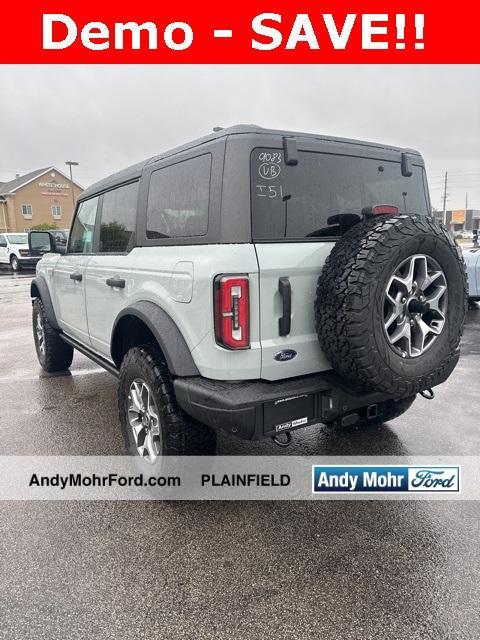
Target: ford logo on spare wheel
286,354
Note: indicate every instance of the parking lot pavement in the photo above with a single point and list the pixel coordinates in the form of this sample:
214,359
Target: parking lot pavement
332,570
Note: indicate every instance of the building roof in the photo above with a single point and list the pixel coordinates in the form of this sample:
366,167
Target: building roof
136,170
17,183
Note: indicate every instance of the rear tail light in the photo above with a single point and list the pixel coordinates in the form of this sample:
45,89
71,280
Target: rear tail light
383,210
232,313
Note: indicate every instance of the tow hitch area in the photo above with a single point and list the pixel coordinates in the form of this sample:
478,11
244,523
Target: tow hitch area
283,439
428,394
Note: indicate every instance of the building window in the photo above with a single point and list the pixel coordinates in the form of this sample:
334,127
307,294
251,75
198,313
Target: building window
27,210
56,211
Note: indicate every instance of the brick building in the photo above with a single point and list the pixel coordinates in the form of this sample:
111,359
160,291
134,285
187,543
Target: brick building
42,196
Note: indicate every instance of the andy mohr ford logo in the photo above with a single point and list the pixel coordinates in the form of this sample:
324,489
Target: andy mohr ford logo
384,479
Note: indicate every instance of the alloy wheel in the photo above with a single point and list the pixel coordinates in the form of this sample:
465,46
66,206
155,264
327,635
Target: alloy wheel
144,421
415,306
40,333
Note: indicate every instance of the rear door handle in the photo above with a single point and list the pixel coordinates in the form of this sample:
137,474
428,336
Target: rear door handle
116,282
76,276
285,290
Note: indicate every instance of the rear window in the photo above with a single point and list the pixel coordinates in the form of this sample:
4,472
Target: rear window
295,201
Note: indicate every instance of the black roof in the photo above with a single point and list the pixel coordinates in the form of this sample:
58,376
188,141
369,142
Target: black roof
135,170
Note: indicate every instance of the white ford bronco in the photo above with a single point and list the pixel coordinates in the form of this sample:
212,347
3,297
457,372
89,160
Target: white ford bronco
255,281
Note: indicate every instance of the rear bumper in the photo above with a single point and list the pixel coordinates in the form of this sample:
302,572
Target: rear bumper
259,409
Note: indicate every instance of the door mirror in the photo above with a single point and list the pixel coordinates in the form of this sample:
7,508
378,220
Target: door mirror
3,244
40,242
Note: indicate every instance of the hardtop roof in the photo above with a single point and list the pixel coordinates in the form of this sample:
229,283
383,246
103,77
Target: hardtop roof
135,170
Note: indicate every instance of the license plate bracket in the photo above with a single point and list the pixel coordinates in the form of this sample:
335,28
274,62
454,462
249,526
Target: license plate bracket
288,413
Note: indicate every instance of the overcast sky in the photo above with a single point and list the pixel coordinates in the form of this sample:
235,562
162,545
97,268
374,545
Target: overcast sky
107,117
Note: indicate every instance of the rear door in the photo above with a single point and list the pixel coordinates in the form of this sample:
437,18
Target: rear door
110,273
291,207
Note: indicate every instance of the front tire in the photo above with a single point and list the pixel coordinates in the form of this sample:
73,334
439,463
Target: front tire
15,264
152,422
52,352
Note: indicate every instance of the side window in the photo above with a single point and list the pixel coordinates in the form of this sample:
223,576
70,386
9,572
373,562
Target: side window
81,237
3,241
117,225
178,199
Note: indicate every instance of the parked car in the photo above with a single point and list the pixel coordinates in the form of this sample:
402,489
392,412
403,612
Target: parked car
463,235
255,281
472,260
14,251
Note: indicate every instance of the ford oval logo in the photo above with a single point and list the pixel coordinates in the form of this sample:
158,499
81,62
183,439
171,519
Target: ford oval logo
286,354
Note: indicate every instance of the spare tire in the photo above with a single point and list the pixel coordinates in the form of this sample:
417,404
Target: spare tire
391,303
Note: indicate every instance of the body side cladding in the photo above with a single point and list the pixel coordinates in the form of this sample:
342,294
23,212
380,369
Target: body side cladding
167,334
39,289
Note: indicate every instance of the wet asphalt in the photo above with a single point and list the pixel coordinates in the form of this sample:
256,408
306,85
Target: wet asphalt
253,570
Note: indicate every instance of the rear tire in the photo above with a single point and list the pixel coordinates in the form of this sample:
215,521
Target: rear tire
52,352
152,422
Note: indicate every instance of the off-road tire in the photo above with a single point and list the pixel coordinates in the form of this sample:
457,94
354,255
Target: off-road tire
181,434
57,355
15,264
350,299
388,410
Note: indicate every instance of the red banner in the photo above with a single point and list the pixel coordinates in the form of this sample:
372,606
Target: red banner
254,31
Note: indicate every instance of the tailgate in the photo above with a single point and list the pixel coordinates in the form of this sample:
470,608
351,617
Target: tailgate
301,263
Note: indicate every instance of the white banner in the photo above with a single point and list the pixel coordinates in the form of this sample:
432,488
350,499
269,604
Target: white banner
240,478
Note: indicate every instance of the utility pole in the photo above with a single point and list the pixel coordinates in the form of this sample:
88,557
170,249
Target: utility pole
466,201
445,199
71,164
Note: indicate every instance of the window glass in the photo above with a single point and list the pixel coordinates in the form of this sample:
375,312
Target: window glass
61,237
117,226
81,238
178,199
17,238
295,201
27,210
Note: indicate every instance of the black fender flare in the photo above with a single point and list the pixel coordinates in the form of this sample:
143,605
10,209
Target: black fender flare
171,341
39,289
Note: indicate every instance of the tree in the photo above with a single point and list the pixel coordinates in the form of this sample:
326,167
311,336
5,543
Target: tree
44,226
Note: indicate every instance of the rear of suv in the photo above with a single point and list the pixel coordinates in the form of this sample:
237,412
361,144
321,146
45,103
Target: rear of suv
255,281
